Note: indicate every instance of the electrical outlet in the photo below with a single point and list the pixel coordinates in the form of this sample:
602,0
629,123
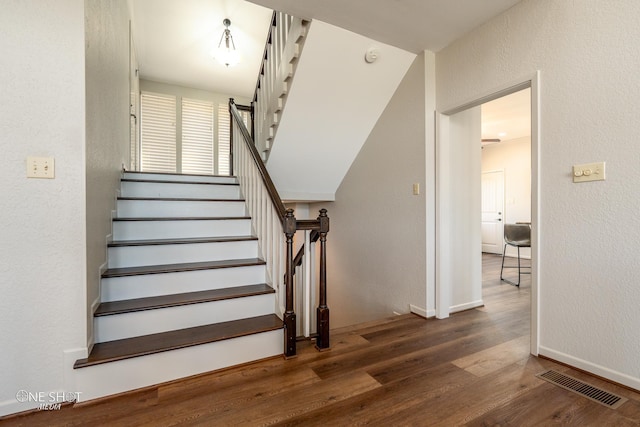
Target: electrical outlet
41,167
589,172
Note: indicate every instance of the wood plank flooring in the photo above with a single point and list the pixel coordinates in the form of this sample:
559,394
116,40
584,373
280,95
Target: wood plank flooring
471,369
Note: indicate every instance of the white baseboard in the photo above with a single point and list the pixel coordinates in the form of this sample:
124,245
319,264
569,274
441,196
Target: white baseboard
465,306
593,368
421,311
33,399
12,406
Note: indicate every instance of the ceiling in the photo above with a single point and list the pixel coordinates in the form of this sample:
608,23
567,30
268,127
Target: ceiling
508,117
413,25
174,38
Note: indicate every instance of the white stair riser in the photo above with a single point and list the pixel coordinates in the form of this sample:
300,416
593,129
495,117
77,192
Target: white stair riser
199,191
144,230
148,285
178,209
130,374
186,178
133,256
128,325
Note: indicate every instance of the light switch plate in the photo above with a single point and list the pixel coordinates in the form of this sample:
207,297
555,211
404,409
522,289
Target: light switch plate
416,188
589,172
41,167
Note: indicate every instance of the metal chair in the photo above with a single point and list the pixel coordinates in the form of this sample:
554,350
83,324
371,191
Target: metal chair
518,236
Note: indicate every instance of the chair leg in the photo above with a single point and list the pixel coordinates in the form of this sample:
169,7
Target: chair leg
518,284
504,251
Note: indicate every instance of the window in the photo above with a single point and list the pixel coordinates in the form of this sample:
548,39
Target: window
224,139
197,137
158,132
185,139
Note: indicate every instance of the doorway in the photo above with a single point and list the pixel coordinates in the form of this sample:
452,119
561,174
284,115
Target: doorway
450,243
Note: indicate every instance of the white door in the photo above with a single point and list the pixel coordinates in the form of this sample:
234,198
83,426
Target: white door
492,211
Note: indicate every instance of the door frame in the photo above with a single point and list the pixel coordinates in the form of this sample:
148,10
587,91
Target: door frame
443,167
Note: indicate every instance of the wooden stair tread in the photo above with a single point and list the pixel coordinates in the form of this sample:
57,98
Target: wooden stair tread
156,242
174,268
179,199
177,182
150,303
155,343
183,218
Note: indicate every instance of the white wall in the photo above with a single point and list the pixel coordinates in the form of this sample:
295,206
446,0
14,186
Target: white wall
43,267
588,53
107,111
376,243
514,158
334,102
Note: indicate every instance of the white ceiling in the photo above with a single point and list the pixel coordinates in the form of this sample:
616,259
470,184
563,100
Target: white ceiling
508,117
413,25
174,40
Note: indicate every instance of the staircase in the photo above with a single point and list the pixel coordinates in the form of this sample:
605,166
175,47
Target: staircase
185,291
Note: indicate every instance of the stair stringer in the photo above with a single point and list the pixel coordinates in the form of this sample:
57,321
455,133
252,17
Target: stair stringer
334,101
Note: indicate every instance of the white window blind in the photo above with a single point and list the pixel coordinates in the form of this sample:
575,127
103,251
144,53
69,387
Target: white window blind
223,140
197,136
158,132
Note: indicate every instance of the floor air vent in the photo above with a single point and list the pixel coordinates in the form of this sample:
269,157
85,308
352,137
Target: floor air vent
596,394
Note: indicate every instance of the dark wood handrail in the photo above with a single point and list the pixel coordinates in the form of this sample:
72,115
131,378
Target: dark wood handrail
249,109
271,188
290,225
297,260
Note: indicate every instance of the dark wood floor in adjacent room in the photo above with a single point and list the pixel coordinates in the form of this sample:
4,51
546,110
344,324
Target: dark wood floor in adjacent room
471,369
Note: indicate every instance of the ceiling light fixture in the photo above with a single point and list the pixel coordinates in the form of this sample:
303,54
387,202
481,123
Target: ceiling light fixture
226,53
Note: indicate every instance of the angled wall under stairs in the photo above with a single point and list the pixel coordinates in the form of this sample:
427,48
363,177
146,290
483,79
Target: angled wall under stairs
185,291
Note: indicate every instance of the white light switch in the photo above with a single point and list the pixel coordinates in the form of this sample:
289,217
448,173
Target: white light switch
416,188
40,167
589,172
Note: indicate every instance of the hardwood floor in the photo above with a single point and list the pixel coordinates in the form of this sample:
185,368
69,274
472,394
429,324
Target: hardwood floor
471,369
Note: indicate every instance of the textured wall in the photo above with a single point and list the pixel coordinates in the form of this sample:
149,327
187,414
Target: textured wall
376,246
588,53
107,148
42,226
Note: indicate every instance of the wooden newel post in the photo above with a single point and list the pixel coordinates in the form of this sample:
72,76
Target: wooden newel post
289,314
322,342
231,102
